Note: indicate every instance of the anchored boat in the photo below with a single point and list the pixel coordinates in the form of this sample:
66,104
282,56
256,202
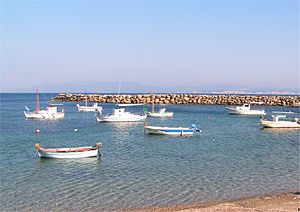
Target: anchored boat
171,130
160,113
75,152
280,121
244,110
87,108
119,115
50,112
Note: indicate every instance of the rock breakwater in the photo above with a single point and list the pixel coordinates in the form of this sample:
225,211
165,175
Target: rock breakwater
181,99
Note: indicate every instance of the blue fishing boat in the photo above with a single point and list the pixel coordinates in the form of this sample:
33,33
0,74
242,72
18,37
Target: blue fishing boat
171,130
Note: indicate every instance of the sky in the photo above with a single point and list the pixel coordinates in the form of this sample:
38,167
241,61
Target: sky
156,43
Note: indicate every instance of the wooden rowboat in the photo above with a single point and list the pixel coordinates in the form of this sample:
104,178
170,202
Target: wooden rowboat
75,152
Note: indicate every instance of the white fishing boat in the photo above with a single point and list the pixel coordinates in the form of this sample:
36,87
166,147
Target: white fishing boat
75,152
51,111
171,130
280,121
120,115
244,110
86,108
284,112
160,113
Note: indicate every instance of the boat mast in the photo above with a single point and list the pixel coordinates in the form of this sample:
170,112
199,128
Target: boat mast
37,100
119,90
152,106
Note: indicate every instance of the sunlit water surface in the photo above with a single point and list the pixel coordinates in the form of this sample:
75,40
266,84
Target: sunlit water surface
232,157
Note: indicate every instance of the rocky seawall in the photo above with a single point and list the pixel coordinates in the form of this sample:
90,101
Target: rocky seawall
293,101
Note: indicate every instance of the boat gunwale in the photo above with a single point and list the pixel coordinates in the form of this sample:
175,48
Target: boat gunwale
68,150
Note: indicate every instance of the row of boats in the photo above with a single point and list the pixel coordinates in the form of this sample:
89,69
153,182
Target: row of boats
278,120
120,115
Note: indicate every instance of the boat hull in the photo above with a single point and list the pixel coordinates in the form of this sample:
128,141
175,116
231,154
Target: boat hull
235,111
35,115
61,155
88,109
132,118
279,124
159,115
169,130
75,152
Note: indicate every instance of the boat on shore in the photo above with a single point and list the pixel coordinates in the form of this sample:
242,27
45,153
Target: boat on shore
160,113
244,110
280,121
51,111
74,152
120,115
171,130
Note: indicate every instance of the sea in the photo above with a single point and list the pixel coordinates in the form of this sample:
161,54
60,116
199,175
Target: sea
232,157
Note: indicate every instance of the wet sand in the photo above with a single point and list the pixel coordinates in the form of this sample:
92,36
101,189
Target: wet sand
280,202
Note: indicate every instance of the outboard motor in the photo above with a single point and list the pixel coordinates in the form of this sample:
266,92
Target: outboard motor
194,126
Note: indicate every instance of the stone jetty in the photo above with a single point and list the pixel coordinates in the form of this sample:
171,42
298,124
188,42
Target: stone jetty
278,100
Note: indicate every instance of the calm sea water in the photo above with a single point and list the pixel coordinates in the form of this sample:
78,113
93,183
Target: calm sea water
232,157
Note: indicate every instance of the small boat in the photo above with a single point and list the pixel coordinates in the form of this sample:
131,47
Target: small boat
160,113
280,121
87,108
284,112
171,130
244,110
75,152
50,112
119,115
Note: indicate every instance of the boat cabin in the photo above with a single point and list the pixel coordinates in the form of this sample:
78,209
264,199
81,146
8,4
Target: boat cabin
52,109
162,110
277,117
244,107
118,111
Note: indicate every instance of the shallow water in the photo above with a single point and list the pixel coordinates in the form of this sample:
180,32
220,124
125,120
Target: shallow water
232,157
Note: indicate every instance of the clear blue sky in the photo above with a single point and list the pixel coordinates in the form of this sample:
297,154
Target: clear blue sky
158,43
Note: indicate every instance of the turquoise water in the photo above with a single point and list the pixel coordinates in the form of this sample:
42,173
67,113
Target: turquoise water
232,157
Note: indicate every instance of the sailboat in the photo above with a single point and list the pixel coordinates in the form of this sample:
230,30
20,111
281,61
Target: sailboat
50,112
160,113
87,108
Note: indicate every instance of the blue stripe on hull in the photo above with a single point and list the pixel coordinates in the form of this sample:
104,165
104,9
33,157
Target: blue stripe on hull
178,131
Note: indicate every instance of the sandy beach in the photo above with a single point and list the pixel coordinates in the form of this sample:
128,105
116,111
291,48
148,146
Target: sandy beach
279,202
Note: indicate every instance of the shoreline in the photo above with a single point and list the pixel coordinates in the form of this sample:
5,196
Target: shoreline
288,201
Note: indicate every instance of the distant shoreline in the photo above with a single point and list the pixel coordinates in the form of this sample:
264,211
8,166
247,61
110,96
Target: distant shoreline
289,201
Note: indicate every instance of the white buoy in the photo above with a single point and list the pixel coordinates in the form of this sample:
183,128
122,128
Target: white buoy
37,130
75,130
